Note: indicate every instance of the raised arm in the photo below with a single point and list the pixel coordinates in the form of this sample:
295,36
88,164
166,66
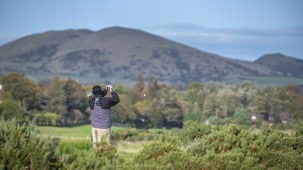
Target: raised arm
114,99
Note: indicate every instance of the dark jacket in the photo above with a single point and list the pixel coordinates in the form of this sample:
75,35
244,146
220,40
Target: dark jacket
105,102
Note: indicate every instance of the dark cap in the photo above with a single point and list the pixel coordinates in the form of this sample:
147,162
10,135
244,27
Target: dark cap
98,91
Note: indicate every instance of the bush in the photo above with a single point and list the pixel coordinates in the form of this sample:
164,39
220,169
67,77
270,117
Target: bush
69,147
46,119
162,155
102,157
242,116
21,148
232,148
10,109
193,132
194,147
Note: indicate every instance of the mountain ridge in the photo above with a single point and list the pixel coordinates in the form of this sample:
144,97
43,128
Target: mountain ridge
120,54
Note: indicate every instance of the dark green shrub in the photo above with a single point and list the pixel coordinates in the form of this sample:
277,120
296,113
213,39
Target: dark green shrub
196,131
155,151
10,109
232,148
101,157
162,155
21,148
69,147
242,116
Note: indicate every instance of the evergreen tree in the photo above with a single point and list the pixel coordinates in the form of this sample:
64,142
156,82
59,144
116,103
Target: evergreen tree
76,101
56,97
137,92
152,87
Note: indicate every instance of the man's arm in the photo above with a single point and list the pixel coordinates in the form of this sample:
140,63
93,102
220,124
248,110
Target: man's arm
114,99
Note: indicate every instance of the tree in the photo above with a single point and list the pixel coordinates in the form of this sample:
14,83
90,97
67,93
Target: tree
152,87
196,93
76,102
75,96
137,90
10,109
210,105
165,109
226,102
124,112
56,97
23,90
242,116
172,114
294,102
246,91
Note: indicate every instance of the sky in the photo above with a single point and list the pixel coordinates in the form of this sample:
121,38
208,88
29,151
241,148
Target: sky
241,29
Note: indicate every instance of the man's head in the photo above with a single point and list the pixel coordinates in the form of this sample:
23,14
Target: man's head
98,91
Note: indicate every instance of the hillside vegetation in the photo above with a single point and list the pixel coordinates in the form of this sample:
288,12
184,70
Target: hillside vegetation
120,54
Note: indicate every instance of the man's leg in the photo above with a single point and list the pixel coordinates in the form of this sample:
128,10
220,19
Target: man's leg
105,135
96,136
100,135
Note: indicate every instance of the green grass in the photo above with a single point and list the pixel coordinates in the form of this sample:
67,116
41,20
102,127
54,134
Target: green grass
66,133
73,135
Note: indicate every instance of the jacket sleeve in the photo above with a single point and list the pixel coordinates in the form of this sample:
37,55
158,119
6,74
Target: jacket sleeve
114,99
108,102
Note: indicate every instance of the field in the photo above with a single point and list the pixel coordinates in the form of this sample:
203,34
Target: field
67,133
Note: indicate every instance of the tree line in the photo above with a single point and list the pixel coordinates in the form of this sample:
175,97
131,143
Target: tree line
148,104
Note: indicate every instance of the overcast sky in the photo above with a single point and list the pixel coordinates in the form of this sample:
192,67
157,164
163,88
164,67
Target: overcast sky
243,29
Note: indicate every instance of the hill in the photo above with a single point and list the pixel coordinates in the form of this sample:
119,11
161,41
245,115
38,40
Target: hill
282,65
120,54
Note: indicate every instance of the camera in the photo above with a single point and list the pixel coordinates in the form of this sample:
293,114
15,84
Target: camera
109,88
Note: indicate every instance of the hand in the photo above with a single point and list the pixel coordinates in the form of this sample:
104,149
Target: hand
109,88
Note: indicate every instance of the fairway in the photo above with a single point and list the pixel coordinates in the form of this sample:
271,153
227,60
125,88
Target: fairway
66,133
83,133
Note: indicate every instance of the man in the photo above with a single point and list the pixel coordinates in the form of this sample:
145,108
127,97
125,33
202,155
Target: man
100,106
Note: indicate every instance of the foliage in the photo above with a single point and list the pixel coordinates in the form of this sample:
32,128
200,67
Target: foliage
150,105
75,96
46,119
137,91
212,136
21,148
161,155
68,100
124,112
196,146
242,116
56,97
23,90
80,155
10,109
